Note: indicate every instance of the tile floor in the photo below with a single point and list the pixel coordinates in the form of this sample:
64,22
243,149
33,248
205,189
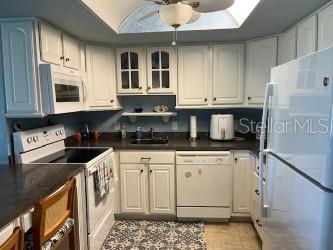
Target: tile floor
231,236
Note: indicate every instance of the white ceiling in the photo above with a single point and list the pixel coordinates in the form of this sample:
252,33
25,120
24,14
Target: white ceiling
271,16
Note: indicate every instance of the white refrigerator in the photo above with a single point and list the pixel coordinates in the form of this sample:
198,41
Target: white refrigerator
296,155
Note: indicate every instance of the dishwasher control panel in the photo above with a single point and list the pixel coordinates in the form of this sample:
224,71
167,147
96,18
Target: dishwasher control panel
191,158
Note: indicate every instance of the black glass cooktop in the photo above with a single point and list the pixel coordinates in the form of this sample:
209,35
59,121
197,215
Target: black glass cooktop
72,155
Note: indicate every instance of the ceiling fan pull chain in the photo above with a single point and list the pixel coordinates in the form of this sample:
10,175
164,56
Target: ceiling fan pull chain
174,37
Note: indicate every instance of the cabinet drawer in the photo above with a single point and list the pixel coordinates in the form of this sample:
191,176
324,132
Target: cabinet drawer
6,232
147,157
256,218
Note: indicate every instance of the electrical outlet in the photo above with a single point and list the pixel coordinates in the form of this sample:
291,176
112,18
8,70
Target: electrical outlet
116,126
174,125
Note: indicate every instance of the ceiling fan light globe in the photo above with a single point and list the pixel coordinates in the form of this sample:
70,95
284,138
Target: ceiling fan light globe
175,14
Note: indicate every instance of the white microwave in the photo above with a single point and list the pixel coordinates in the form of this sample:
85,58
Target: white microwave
63,90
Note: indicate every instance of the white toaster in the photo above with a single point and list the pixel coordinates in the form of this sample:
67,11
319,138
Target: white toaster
222,127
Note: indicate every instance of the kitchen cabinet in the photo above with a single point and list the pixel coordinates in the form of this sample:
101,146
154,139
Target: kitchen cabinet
130,71
133,188
307,36
287,46
228,71
58,48
101,77
162,189
325,31
261,56
71,48
161,70
242,177
21,69
147,182
193,75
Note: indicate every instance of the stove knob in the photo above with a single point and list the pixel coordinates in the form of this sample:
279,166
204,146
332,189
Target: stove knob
29,140
35,139
60,132
57,133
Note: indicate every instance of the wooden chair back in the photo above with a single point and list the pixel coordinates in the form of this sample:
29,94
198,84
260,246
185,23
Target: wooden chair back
51,213
15,241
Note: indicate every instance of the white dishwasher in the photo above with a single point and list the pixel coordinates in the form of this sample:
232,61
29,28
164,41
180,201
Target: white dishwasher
203,184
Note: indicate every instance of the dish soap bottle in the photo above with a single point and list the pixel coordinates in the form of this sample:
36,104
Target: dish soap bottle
138,133
123,132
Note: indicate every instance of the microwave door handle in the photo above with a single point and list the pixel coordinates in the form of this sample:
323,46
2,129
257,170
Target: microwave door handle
84,91
268,94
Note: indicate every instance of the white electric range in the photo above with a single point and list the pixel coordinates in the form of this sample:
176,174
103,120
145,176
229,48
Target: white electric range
47,146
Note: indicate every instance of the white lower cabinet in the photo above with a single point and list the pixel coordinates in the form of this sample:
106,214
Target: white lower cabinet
148,186
242,170
162,189
133,188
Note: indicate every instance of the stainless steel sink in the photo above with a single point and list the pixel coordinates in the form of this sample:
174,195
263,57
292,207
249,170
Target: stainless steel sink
150,141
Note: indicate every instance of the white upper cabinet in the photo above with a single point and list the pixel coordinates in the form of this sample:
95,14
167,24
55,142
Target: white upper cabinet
130,71
228,71
20,76
261,56
51,44
101,76
193,75
58,48
161,70
307,37
72,56
325,28
287,46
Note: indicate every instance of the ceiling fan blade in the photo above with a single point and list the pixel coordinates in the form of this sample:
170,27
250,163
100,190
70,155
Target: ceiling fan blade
148,15
159,2
195,17
212,5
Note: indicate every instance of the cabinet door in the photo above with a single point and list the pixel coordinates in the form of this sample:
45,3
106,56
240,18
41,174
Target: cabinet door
228,73
72,57
287,46
19,67
193,75
325,30
162,189
161,68
130,71
242,183
133,188
260,58
101,76
51,44
307,36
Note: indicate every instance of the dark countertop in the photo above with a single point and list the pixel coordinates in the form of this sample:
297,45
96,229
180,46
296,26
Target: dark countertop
177,141
23,185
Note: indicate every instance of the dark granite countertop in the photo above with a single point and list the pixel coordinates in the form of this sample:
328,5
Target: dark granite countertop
177,141
23,185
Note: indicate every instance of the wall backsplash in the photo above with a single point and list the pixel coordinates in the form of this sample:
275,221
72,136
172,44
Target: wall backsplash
106,121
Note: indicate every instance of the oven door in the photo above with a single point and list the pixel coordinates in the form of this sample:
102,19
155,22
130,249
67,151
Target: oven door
100,214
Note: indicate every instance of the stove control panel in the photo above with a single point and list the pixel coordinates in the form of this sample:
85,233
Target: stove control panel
32,139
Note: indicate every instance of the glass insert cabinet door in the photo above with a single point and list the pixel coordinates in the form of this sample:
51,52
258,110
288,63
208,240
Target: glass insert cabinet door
161,70
130,70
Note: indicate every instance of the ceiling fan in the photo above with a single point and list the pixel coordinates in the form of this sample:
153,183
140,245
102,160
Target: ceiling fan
179,12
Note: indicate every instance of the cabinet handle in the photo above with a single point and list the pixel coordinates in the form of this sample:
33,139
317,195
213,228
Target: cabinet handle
258,223
62,58
257,192
145,158
67,59
140,87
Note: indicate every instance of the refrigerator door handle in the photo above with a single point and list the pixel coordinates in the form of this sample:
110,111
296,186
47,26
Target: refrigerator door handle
268,94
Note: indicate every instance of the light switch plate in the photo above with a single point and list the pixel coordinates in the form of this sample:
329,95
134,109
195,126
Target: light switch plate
174,125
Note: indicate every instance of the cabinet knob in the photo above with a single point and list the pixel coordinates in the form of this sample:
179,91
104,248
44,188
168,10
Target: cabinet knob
326,81
214,99
249,97
148,88
140,87
112,101
257,192
67,59
62,58
141,171
205,99
236,159
258,223
150,171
